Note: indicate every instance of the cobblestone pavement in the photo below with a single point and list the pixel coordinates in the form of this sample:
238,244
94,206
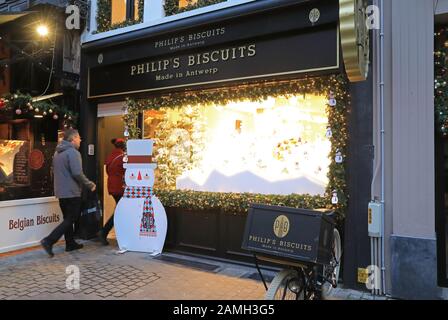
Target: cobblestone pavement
105,274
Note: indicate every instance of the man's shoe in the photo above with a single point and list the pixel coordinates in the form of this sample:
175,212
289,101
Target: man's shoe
102,238
47,247
74,246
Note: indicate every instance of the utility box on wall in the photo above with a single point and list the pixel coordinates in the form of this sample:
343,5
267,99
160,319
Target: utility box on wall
374,219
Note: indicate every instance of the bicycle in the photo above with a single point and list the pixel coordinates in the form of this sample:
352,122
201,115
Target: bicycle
305,281
306,241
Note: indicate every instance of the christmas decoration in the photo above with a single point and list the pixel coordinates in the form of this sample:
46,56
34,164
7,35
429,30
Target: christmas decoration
140,219
335,86
19,104
334,198
338,158
179,143
234,202
440,82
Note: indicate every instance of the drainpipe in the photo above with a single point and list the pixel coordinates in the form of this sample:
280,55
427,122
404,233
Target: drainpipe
377,251
383,268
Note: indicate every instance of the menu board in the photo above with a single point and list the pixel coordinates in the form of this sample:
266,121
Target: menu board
21,167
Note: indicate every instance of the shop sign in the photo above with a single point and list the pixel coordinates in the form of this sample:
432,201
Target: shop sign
298,234
354,38
283,56
24,223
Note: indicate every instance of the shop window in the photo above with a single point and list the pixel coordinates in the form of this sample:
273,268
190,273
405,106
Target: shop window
26,153
184,3
277,146
123,10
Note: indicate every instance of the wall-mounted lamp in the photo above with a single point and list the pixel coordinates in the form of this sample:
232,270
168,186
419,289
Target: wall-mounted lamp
42,30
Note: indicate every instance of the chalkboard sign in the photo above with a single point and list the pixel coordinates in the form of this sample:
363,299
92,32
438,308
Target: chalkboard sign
297,234
20,167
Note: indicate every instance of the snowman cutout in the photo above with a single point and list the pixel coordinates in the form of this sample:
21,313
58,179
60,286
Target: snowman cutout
140,219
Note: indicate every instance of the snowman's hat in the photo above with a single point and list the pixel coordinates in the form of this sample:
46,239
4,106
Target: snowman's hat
139,154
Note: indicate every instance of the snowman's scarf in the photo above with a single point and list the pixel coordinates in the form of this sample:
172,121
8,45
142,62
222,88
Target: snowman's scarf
147,226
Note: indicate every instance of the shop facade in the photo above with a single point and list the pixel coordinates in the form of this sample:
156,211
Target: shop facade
38,98
414,159
255,57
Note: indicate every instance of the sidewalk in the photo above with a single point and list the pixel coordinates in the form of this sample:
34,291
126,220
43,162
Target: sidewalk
105,274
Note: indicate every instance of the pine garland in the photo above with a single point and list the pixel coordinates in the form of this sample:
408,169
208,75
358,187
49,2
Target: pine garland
441,81
172,6
234,202
331,86
19,105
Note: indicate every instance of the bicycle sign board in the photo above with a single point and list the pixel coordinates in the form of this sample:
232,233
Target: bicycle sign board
298,234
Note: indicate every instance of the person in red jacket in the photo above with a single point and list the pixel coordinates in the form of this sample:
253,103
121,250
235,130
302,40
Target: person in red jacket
115,182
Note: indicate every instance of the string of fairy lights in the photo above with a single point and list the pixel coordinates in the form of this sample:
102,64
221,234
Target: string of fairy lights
441,81
333,87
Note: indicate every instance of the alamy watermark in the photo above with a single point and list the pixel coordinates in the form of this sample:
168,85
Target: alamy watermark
374,278
73,280
373,17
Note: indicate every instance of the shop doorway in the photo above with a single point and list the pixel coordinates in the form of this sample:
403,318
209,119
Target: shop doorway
109,127
442,208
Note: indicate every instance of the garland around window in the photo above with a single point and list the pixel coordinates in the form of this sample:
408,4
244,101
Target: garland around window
334,87
19,105
441,81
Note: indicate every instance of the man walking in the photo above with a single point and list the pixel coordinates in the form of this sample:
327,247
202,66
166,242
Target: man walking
68,182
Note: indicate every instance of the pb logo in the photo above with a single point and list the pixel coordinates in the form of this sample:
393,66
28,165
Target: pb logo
281,226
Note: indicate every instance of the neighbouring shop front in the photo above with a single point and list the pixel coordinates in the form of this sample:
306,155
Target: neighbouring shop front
255,103
37,99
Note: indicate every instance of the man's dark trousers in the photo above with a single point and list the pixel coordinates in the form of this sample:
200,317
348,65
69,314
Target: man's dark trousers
71,209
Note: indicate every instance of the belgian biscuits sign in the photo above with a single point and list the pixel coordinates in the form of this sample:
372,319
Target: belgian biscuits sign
23,223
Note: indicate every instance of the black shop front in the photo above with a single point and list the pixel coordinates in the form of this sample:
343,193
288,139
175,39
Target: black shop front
253,103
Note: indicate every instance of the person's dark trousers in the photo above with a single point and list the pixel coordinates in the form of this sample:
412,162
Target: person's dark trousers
110,223
71,210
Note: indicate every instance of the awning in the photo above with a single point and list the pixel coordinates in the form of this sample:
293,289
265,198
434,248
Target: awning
9,16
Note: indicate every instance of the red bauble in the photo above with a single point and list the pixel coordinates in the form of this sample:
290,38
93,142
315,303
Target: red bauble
2,103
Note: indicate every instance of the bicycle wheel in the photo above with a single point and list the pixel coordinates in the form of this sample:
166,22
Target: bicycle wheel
332,271
287,285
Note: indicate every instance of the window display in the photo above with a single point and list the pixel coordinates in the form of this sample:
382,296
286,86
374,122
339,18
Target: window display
26,153
276,146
